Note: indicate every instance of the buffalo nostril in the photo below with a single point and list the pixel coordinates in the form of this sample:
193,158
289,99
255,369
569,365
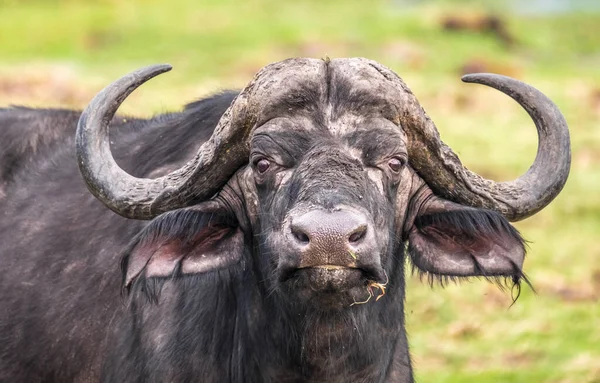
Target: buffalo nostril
358,234
300,236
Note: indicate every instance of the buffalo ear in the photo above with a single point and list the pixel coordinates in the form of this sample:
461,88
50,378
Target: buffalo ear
451,240
185,241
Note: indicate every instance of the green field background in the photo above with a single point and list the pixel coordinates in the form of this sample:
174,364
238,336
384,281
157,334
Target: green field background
60,53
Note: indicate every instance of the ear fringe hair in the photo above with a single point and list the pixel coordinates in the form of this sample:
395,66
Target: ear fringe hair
480,223
511,282
151,288
183,224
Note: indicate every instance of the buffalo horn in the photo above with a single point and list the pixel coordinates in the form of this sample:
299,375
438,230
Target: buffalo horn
144,198
518,199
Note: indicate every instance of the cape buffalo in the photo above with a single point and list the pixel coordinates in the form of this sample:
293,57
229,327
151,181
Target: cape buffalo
268,250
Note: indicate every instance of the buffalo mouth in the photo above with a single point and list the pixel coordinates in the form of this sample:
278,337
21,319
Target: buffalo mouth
331,285
331,278
331,274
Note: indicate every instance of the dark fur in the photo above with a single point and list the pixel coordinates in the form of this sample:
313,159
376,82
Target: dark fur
60,247
64,319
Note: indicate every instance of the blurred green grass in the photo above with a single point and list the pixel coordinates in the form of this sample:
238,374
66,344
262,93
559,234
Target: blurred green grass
60,53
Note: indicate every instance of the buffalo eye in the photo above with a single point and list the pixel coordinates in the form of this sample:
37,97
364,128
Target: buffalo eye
396,164
262,165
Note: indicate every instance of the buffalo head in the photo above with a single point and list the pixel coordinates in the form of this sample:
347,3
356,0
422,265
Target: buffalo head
322,175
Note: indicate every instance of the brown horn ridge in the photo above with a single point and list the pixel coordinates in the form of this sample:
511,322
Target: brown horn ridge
144,198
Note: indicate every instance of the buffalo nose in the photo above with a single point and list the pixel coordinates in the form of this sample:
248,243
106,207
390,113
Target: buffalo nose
322,228
330,237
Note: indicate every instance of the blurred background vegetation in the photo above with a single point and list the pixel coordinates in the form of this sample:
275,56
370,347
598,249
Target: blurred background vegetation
61,52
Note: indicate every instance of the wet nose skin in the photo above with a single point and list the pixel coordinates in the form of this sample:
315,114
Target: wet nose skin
339,238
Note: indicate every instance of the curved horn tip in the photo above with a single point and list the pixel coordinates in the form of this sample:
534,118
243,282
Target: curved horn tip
153,70
479,77
548,174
